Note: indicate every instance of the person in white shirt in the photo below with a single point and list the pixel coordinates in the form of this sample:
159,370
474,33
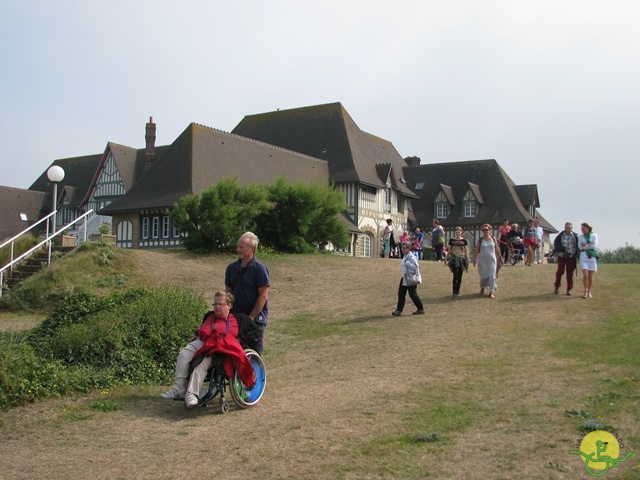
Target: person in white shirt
539,238
587,244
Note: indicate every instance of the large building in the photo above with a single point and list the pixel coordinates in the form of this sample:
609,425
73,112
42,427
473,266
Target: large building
133,189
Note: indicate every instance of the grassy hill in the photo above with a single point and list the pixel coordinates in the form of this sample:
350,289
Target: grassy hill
476,388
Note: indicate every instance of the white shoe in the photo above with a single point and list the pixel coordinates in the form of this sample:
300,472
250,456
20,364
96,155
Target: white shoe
172,394
190,400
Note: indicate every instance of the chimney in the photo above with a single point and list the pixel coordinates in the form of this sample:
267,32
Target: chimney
412,161
150,137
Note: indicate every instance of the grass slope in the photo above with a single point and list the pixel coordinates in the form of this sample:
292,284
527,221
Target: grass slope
474,389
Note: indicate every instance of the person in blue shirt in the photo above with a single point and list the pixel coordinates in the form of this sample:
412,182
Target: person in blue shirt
248,280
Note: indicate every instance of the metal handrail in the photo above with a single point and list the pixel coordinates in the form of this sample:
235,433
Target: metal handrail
46,240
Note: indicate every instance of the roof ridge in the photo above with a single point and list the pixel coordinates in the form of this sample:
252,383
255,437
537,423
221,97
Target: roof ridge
121,145
296,108
275,147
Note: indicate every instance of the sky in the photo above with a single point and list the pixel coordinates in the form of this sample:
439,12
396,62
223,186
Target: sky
549,89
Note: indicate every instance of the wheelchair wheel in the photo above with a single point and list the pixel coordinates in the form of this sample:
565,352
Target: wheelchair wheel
242,397
513,260
224,405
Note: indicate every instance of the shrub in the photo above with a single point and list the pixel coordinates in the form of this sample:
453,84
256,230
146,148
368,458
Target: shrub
626,254
93,342
136,334
26,376
303,215
214,219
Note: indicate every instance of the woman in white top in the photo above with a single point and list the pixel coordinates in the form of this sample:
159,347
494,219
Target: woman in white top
410,271
487,259
587,244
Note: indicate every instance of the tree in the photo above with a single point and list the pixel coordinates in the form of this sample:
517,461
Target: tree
626,254
302,216
215,219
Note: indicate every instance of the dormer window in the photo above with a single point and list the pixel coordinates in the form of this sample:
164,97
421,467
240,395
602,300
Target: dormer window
470,204
442,206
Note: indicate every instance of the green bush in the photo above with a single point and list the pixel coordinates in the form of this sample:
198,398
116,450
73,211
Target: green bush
27,376
93,342
214,219
626,254
138,338
303,215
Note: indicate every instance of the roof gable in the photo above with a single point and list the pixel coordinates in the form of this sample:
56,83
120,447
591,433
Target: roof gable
79,172
493,189
327,132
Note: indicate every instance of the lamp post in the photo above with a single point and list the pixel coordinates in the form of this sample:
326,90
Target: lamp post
55,175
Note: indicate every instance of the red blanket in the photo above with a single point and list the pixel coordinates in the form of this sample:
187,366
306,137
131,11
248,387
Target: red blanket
234,356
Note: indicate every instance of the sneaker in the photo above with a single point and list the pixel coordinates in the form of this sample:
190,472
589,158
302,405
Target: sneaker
396,313
418,312
569,292
190,400
557,290
172,394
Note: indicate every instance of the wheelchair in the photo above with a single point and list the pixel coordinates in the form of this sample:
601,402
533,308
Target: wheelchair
517,252
219,383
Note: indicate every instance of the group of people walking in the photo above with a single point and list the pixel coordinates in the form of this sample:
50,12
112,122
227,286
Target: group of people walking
489,256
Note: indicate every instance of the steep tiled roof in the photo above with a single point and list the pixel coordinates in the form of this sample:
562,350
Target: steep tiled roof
497,195
127,160
327,132
78,172
201,156
13,202
528,194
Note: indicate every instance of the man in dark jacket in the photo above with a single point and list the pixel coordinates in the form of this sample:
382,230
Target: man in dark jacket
565,246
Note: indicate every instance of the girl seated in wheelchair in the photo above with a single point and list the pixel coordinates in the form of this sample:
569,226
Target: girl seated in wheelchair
221,332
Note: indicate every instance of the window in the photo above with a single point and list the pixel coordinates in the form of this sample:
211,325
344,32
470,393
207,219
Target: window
155,227
145,227
470,209
387,200
165,227
470,204
442,210
441,205
366,245
401,201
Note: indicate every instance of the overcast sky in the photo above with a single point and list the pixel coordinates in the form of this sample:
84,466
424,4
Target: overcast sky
550,89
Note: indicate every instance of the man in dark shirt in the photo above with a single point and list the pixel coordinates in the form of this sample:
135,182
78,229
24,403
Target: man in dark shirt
565,246
248,280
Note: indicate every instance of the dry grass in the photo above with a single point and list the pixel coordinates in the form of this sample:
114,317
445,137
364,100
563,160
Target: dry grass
351,386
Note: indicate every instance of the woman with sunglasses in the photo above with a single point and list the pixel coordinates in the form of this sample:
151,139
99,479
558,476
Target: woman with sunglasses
488,260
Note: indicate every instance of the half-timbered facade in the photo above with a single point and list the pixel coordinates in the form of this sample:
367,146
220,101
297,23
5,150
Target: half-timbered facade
366,168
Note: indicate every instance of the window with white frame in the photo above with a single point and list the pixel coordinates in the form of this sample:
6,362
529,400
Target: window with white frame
387,199
145,227
441,205
165,227
155,227
367,247
470,204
